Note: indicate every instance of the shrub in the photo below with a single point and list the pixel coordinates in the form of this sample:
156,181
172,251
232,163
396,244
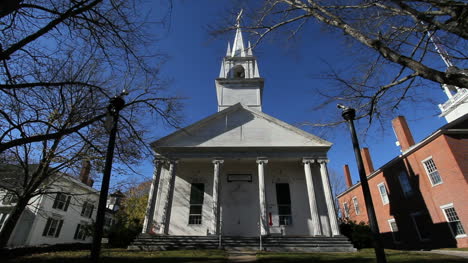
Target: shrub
359,234
121,235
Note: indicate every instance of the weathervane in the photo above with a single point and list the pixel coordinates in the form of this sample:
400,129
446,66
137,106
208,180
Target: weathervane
238,19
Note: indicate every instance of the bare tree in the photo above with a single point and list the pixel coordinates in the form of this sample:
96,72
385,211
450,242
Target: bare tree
40,39
61,62
401,34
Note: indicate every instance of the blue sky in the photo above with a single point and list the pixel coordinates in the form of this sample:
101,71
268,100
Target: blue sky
288,70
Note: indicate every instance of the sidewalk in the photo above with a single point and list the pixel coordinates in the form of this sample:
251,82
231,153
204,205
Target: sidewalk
458,253
242,256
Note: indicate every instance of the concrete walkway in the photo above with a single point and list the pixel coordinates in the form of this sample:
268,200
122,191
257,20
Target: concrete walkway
242,256
458,253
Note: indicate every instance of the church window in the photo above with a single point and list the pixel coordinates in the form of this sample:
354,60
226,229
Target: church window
196,203
283,197
238,72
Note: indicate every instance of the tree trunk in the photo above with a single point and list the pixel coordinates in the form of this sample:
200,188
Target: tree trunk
12,220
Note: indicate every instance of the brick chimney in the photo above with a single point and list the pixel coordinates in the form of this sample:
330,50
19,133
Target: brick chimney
84,173
403,133
367,160
347,176
90,182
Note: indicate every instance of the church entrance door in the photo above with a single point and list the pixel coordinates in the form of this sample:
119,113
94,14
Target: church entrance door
240,208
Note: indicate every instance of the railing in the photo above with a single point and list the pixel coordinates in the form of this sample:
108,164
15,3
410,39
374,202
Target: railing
458,97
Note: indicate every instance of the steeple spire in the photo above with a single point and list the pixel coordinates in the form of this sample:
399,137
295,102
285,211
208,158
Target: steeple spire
238,49
228,52
239,80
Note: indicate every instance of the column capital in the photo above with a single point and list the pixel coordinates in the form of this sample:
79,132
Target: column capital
173,161
322,161
312,160
262,160
217,161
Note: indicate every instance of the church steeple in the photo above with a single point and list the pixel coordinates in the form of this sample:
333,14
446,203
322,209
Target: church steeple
238,49
239,79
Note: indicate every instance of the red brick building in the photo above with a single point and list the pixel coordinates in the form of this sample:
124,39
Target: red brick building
421,196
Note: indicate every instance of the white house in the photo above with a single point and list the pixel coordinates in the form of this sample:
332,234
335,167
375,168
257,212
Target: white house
241,172
59,217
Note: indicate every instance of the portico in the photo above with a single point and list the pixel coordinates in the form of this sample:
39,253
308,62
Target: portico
240,198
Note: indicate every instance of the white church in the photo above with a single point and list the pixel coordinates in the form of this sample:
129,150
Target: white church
241,173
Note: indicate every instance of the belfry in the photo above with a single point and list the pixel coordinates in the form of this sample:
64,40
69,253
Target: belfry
241,174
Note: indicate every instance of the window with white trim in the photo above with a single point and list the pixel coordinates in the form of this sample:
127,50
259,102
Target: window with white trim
283,198
405,184
108,221
80,232
383,193
346,210
10,198
87,210
52,227
454,221
432,172
395,232
357,210
197,193
62,201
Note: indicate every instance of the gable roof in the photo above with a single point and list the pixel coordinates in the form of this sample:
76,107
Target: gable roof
240,126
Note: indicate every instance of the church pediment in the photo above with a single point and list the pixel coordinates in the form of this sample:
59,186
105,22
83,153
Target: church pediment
239,126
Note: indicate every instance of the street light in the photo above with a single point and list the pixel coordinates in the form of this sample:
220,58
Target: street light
349,114
115,105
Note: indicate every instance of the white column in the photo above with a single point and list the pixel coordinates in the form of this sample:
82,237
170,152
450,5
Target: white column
153,193
215,227
316,226
167,199
261,190
329,198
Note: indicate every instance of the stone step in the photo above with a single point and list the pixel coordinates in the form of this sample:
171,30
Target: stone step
271,243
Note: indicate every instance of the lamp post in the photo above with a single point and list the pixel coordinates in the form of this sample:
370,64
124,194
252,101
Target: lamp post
115,105
349,114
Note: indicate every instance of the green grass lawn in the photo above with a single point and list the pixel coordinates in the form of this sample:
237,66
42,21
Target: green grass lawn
364,256
124,256
456,249
219,256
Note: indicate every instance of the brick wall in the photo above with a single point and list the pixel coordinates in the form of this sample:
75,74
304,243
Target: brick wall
450,155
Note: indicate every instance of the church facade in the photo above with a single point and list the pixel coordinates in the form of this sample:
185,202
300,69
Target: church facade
241,172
